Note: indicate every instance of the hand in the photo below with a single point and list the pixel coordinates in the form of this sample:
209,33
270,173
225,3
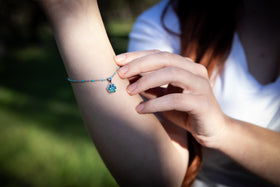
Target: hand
195,108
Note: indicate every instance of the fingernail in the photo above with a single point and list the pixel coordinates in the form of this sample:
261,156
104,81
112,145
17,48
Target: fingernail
123,70
131,88
140,108
120,57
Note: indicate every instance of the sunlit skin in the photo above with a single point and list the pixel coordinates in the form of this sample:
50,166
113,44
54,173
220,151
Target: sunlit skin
245,143
136,148
134,145
196,99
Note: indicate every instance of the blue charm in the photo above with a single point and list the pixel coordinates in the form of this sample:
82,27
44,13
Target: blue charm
111,88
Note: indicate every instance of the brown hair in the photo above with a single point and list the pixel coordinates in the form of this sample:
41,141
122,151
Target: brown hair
207,31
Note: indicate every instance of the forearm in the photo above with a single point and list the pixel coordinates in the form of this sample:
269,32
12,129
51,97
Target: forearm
253,147
135,147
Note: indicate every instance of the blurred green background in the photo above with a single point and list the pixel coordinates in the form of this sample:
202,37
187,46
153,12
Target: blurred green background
43,141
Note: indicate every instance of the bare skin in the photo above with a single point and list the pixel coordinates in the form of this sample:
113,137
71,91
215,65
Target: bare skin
136,148
243,142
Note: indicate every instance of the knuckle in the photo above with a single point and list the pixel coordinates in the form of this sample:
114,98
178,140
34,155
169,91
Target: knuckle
172,71
167,56
171,59
155,51
202,70
189,59
165,53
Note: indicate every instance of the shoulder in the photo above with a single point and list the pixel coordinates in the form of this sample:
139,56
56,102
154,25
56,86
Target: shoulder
148,29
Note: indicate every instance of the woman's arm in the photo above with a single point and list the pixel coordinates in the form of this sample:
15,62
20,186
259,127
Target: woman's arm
135,148
253,147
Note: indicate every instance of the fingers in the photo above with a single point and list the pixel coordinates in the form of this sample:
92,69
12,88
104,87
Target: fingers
163,68
170,75
146,61
179,102
124,58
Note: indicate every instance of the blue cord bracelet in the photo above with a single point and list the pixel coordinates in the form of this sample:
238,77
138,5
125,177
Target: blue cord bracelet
111,88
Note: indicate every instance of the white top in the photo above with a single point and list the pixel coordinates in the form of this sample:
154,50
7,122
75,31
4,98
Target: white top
239,94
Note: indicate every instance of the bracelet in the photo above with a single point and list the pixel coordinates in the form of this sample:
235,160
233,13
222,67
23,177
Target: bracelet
111,88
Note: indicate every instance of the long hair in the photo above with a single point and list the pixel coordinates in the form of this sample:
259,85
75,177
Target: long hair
207,31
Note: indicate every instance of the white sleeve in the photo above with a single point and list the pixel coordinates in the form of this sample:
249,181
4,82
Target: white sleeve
148,32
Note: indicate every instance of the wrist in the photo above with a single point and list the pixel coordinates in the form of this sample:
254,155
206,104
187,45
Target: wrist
220,139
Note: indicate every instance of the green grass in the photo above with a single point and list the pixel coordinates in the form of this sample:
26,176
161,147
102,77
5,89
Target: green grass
43,141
